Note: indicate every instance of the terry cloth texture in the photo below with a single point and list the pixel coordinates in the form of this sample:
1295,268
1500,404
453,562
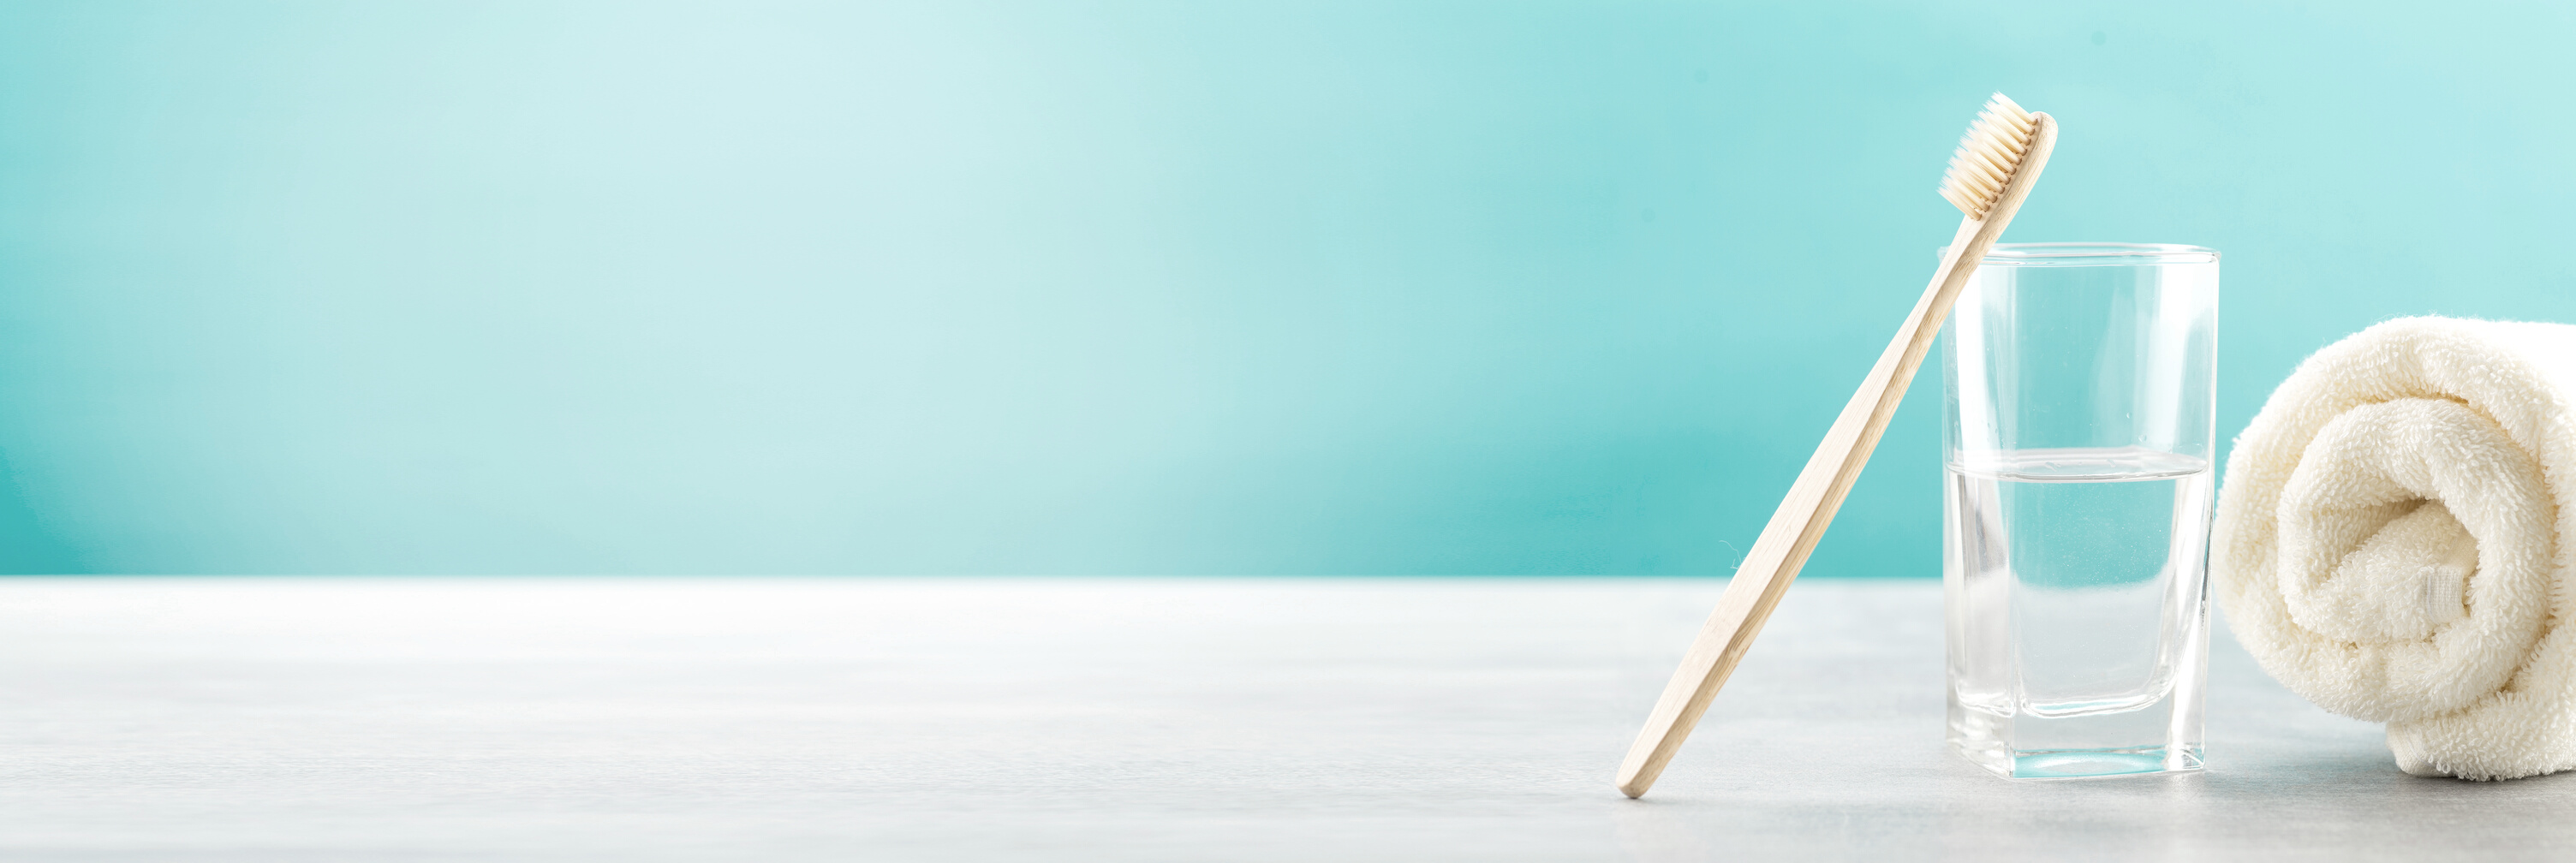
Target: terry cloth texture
2392,541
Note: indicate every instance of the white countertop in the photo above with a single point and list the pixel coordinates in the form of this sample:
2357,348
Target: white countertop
293,719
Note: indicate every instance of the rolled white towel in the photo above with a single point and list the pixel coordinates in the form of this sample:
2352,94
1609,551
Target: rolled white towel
2394,540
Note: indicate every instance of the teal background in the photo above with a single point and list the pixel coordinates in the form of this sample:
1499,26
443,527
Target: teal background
1076,287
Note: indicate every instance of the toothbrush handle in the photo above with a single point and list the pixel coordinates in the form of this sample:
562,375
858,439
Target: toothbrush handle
1800,521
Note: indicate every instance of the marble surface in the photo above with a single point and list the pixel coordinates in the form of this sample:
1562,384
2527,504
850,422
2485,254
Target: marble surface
378,719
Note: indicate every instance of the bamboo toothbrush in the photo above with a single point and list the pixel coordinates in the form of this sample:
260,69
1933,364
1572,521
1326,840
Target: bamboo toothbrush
1996,164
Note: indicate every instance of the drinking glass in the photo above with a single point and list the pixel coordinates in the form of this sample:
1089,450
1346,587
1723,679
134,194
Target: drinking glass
2078,384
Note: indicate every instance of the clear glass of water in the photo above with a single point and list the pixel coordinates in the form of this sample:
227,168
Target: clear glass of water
2078,381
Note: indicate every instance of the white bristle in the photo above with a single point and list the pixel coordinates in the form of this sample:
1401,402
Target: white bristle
1987,156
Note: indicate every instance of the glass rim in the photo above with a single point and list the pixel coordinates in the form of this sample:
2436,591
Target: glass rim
2095,254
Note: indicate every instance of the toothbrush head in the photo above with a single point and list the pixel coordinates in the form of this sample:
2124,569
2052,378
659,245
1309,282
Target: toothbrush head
1988,155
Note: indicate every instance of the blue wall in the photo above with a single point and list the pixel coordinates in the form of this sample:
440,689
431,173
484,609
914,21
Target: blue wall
1063,287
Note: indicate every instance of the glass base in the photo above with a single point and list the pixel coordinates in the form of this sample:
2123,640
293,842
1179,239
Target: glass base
2032,747
2082,763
